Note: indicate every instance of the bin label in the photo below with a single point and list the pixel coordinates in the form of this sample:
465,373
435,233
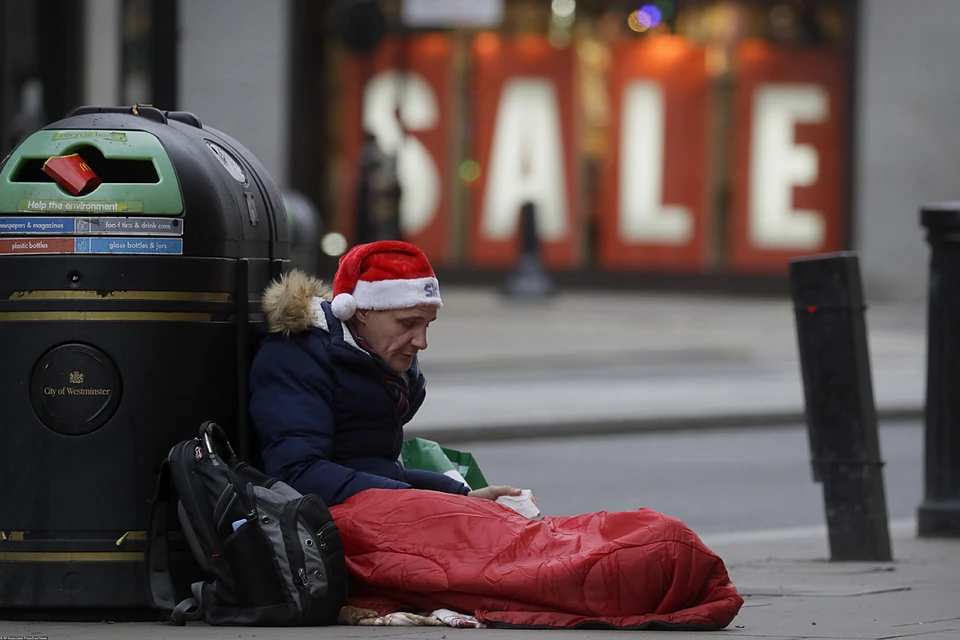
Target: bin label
150,246
128,226
23,246
41,205
92,226
37,225
75,389
116,136
171,246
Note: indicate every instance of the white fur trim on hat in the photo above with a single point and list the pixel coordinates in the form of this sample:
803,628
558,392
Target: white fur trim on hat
395,294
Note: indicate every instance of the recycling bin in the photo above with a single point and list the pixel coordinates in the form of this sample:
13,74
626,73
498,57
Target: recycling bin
129,314
306,231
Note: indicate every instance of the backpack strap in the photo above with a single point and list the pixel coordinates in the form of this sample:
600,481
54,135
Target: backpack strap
217,444
161,590
158,544
189,609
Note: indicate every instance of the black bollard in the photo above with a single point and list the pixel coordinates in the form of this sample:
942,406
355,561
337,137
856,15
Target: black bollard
939,514
841,417
529,279
378,194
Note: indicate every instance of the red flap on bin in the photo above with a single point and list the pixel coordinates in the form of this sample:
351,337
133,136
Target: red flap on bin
72,173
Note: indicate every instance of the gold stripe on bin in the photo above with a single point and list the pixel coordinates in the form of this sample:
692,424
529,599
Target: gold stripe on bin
128,536
154,316
71,556
76,294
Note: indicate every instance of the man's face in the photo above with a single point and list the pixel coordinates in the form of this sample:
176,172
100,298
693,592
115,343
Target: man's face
396,335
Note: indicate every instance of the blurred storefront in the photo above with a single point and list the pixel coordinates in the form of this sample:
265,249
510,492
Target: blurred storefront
58,54
688,137
675,143
39,65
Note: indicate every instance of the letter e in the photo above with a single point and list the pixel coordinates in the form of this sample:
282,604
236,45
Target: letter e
777,165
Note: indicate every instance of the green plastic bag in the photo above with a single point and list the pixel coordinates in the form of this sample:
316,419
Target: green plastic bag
468,467
430,456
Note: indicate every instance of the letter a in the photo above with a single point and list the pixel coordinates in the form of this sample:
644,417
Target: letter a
526,161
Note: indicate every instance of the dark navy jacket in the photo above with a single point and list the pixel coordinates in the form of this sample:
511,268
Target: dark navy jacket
327,418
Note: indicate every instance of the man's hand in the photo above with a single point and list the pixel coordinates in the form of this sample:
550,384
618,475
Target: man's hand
492,493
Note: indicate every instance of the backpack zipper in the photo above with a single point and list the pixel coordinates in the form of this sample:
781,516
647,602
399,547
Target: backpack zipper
289,522
322,535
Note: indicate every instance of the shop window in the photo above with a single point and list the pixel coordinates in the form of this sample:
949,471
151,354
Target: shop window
696,136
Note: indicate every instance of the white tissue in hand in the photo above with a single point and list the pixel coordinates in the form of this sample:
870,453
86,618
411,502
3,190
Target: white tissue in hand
524,504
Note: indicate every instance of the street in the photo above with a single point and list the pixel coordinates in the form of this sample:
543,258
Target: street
716,481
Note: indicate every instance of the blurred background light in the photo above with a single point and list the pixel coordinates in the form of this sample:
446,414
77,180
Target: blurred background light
469,171
563,8
649,15
334,244
563,14
633,21
486,43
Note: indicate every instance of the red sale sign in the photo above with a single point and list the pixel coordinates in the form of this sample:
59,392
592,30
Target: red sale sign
788,190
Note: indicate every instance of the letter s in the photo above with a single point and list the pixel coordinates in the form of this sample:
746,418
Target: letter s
417,170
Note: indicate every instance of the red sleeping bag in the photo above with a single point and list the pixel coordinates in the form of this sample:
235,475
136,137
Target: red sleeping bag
423,550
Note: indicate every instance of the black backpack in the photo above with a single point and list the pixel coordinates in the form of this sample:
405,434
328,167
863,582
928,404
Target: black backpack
269,555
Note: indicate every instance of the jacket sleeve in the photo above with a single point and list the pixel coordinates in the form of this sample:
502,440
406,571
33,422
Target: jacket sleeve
290,405
421,479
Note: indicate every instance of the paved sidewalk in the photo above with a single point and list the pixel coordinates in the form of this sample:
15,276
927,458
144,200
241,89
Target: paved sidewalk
610,362
790,588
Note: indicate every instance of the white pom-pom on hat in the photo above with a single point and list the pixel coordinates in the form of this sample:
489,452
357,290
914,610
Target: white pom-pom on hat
344,305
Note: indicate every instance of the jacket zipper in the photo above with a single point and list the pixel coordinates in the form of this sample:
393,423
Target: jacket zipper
381,380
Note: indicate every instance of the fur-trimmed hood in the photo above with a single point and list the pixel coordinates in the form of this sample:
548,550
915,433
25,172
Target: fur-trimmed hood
291,303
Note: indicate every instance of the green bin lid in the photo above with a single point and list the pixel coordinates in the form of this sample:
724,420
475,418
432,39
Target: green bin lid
162,197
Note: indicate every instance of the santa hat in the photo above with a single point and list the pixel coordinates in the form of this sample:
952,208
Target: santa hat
383,275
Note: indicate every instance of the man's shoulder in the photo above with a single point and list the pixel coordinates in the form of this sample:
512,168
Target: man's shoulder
313,344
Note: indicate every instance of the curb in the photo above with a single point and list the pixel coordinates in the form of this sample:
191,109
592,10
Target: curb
653,424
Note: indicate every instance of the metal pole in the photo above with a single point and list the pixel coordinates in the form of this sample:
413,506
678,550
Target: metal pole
841,417
939,514
529,280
